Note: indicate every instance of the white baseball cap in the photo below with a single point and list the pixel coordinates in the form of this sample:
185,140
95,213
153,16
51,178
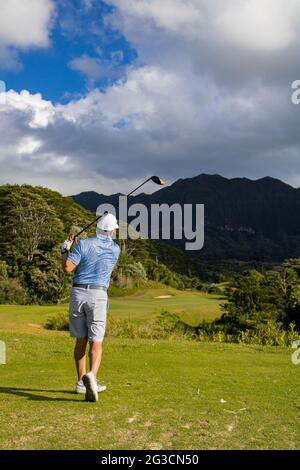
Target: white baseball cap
108,223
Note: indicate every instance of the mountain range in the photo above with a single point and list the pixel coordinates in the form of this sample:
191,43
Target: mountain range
245,220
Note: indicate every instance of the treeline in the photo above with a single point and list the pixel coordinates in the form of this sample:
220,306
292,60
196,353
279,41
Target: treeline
143,260
35,220
259,307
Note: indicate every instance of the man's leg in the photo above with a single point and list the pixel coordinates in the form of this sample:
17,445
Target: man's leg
96,322
95,356
80,356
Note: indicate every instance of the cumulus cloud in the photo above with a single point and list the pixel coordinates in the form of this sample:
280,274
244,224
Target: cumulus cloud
253,24
210,92
24,24
262,26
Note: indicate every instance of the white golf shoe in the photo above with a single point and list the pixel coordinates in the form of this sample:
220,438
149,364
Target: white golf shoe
80,388
90,383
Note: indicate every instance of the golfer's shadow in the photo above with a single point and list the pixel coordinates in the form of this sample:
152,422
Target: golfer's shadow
27,393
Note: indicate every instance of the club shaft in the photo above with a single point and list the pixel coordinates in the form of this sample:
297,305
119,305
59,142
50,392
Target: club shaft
115,205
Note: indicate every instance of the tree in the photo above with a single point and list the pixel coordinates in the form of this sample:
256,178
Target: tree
284,291
247,302
33,223
255,298
28,222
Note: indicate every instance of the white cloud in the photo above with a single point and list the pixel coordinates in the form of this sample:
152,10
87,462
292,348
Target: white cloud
28,146
174,16
260,25
210,93
133,100
151,123
256,24
23,24
40,112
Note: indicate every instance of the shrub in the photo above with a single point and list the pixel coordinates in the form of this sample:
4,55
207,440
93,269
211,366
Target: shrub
120,328
116,291
168,325
165,325
269,334
12,292
58,322
215,289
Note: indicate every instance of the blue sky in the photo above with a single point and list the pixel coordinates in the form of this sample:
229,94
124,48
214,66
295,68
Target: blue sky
78,31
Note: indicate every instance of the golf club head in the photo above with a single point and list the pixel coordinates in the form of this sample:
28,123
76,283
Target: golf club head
158,180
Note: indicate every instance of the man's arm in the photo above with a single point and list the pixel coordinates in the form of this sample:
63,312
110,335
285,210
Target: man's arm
67,265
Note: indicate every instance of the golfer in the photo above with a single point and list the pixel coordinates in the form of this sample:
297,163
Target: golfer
93,260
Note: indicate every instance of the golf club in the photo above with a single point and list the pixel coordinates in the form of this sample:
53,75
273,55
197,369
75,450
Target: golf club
155,179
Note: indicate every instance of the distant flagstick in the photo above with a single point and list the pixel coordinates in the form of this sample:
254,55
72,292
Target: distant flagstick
155,179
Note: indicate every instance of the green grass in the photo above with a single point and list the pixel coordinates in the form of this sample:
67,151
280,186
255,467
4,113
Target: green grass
191,306
161,394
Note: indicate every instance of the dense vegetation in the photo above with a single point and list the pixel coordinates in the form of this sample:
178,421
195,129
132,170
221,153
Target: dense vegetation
34,221
260,307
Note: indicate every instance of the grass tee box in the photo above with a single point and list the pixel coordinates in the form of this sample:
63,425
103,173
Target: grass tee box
161,394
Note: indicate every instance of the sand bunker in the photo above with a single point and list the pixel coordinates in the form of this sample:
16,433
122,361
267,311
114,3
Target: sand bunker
164,297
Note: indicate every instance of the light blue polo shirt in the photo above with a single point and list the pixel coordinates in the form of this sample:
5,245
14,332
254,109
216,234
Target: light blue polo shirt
95,259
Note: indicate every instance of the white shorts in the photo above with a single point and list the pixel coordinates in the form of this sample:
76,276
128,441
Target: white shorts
87,313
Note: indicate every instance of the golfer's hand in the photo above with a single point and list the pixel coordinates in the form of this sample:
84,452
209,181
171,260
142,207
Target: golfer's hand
67,244
72,238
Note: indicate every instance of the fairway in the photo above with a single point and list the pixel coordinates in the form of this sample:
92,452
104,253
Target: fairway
192,307
161,394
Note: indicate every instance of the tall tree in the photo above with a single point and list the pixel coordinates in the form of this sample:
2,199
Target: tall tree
28,222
